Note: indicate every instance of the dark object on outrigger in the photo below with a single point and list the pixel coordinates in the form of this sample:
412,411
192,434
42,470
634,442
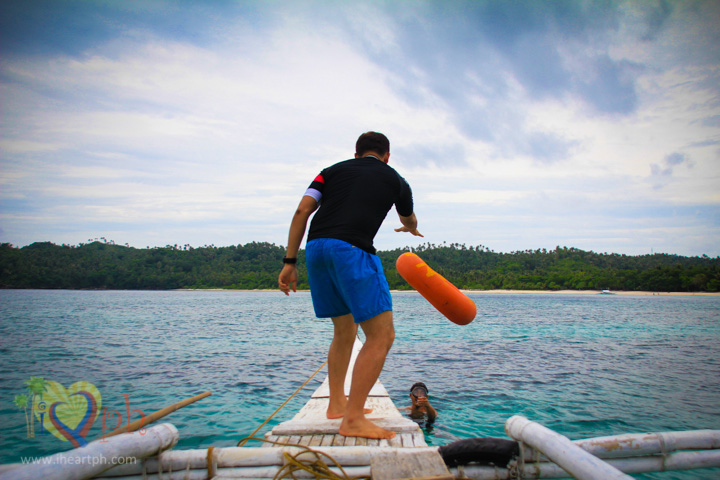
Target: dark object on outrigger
489,450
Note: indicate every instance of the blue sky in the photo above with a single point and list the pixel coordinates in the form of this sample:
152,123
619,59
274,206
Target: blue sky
519,124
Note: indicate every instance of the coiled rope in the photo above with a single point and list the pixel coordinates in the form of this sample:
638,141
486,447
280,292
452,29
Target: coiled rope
313,462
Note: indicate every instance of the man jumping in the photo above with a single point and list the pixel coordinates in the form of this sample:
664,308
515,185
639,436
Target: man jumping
347,282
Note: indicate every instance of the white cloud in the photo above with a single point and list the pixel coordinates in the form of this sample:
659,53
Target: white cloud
149,138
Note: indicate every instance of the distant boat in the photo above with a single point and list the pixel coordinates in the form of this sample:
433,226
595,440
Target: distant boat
607,292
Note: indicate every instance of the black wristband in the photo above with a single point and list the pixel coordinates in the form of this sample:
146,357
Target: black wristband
291,261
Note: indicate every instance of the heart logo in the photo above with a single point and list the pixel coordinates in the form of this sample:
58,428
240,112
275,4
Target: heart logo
68,413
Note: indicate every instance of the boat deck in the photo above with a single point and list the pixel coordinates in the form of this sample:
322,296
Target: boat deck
310,427
393,458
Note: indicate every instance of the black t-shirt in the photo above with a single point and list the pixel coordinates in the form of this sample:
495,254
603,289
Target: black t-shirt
356,196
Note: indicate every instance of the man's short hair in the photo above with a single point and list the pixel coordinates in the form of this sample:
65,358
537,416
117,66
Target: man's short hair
372,142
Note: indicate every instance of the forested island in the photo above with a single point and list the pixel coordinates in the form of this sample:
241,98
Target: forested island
106,265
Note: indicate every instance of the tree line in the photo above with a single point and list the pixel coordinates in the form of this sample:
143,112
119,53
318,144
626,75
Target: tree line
256,265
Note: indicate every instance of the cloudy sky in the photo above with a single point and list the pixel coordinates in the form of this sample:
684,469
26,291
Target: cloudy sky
519,124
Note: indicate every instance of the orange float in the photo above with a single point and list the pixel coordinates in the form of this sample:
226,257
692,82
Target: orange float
443,295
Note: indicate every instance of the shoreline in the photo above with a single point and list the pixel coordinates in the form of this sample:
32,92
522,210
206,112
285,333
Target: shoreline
514,292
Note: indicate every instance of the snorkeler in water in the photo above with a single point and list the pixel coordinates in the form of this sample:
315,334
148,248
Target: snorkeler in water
421,408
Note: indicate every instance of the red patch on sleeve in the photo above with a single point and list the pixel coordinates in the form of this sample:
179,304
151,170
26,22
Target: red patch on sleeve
320,179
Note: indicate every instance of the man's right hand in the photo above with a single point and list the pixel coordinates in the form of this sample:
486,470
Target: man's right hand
288,279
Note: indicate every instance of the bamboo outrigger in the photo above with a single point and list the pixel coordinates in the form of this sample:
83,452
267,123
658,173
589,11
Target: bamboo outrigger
538,452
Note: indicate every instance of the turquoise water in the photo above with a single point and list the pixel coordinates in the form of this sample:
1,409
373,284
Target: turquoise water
582,365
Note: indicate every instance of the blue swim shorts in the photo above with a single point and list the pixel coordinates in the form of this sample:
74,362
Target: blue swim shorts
346,279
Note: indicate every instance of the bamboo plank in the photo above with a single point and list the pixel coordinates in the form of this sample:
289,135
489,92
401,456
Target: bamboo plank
644,464
156,438
269,472
235,457
246,457
255,473
561,450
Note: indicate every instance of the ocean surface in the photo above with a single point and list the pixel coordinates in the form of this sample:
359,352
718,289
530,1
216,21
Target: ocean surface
582,365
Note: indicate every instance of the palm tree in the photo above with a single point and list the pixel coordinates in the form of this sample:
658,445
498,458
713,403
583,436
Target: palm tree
21,402
36,386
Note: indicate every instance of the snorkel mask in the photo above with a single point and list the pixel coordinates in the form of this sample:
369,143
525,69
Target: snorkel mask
419,390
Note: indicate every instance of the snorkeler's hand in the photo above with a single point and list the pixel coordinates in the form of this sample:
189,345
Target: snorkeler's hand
288,279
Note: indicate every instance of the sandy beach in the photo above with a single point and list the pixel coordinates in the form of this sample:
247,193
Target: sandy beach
525,292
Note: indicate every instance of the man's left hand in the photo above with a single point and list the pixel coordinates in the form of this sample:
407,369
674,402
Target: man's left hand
414,231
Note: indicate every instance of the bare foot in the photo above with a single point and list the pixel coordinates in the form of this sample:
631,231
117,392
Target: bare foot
364,428
341,414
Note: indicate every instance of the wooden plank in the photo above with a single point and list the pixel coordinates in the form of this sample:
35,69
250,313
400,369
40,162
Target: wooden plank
326,426
311,427
274,438
270,438
406,464
316,408
396,441
419,439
